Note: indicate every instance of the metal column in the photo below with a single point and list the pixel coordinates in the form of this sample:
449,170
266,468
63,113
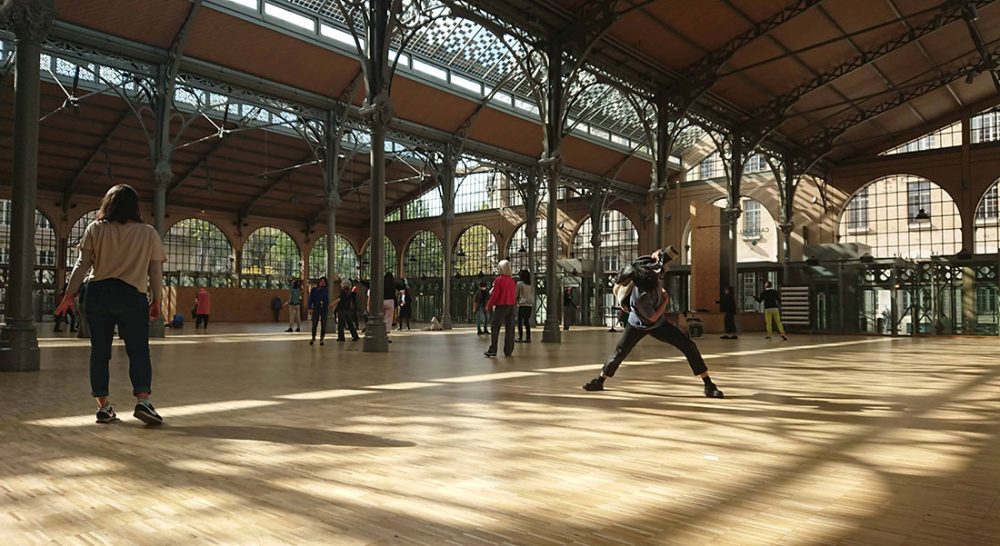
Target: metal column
30,20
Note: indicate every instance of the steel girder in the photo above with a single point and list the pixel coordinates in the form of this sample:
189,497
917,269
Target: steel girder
970,14
770,116
71,185
134,62
700,77
823,140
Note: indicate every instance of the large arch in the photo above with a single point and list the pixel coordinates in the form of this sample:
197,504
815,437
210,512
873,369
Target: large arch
345,261
198,254
619,240
44,269
391,259
476,252
270,259
424,256
76,235
986,229
517,248
902,216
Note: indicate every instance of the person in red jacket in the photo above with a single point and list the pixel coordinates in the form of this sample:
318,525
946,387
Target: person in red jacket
502,303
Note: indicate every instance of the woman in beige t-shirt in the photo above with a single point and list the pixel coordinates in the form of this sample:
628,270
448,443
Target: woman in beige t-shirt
124,257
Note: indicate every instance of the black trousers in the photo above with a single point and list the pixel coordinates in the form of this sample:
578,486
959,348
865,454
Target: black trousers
524,321
319,316
667,333
730,322
503,314
344,319
199,320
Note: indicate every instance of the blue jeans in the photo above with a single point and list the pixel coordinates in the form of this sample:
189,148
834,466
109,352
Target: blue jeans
482,320
112,302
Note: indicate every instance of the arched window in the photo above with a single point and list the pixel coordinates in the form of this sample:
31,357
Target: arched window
517,252
987,227
270,259
391,260
45,260
758,232
45,249
76,235
424,256
902,216
345,263
476,252
198,254
619,241
426,206
477,191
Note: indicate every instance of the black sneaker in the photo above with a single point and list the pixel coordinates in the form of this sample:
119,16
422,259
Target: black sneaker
489,354
288,330
767,337
106,415
783,338
595,384
712,391
297,330
145,412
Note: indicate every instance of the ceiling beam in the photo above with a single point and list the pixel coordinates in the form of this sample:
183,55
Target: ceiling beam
701,76
989,64
824,139
202,161
176,54
922,47
70,187
771,115
283,177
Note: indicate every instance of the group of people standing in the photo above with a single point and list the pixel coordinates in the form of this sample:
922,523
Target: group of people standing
345,308
349,310
505,304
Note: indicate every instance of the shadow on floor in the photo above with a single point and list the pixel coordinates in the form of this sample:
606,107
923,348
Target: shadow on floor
286,435
824,405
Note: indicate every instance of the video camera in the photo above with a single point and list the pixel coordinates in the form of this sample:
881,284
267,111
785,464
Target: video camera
657,262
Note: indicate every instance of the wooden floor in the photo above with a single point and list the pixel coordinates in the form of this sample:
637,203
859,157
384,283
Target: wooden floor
819,441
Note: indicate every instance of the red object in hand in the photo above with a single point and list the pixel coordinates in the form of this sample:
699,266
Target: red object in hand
65,305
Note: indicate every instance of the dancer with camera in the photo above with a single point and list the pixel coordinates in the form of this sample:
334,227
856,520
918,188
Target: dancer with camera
640,295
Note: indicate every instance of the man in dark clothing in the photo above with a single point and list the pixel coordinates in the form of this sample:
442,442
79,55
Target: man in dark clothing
346,308
276,307
727,304
319,305
772,312
646,307
569,308
479,300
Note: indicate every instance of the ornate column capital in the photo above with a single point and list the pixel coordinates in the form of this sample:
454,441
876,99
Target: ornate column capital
333,200
30,19
162,174
378,112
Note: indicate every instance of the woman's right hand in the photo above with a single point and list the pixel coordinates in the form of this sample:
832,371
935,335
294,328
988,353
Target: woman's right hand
65,305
